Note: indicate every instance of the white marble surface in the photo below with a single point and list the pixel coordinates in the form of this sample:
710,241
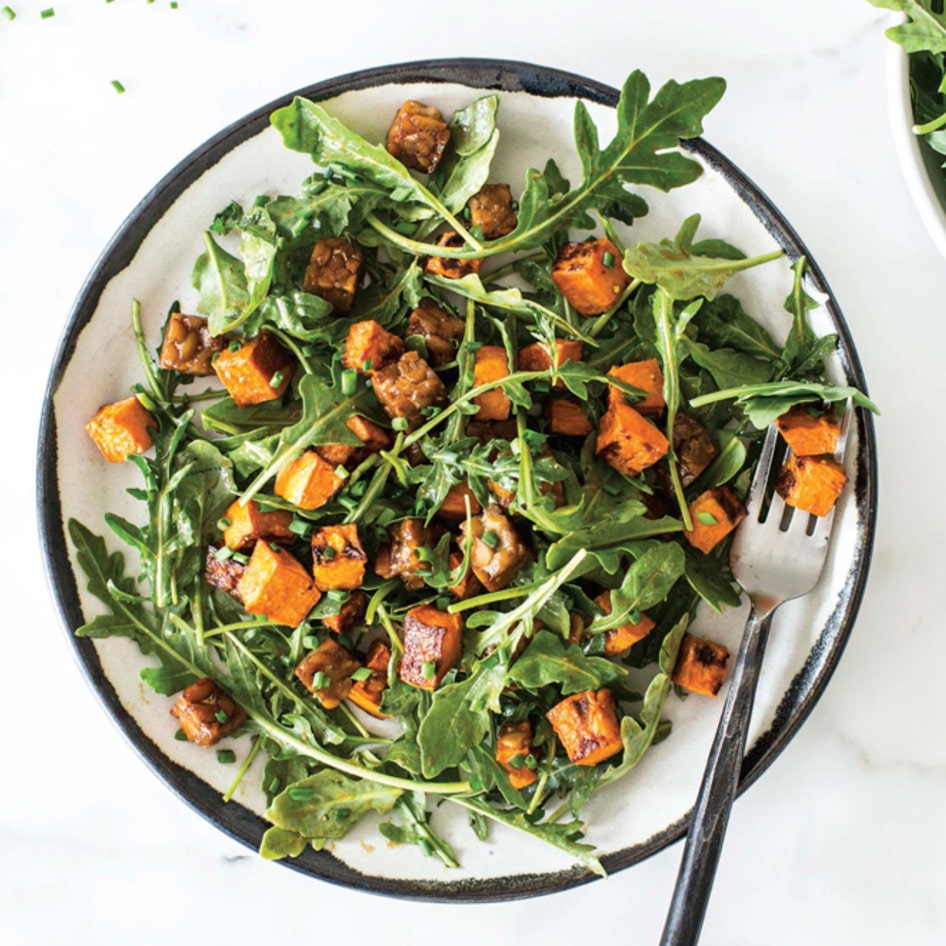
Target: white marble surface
842,840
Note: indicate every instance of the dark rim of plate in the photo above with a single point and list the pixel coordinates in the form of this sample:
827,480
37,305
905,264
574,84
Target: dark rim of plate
234,819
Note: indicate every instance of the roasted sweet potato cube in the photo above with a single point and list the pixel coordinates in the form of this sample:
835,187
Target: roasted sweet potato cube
188,346
440,330
468,585
701,665
401,557
433,644
513,747
254,371
277,586
249,523
417,136
326,672
121,428
206,714
619,640
369,347
628,441
350,614
447,267
538,357
693,447
715,514
590,275
491,364
338,559
809,430
811,484
644,375
334,273
373,438
587,726
453,507
222,573
491,211
407,386
367,694
497,552
485,431
567,417
308,481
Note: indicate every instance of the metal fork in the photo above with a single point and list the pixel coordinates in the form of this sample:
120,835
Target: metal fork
777,554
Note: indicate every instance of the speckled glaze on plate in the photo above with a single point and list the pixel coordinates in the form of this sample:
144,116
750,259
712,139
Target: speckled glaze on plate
150,259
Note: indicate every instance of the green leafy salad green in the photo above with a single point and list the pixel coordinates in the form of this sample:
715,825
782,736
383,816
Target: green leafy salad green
580,526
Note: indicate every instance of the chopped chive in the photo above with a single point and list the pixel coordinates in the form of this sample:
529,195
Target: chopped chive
491,539
240,558
9,13
117,86
634,617
362,673
276,379
517,761
431,411
226,756
399,423
327,554
441,604
274,785
358,489
341,472
367,364
349,382
476,233
299,527
424,554
320,680
707,519
223,553
532,762
608,259
221,717
47,13
300,792
471,346
429,669
310,642
180,736
275,546
347,503
173,4
223,523
234,346
307,351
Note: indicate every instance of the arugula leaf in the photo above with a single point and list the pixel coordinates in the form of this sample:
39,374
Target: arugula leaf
728,367
723,323
220,280
924,31
710,578
278,843
550,660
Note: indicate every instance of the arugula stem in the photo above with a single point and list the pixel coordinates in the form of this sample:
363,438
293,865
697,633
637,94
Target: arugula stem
520,591
247,762
507,269
605,317
390,630
437,846
931,126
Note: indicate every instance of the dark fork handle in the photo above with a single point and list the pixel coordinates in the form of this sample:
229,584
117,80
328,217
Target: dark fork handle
711,811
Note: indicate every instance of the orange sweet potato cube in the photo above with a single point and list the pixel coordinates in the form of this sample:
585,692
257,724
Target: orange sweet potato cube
587,726
369,347
433,644
121,428
491,211
326,673
338,559
451,268
468,585
350,614
308,481
809,434
701,665
367,694
249,523
334,273
453,507
715,514
538,357
513,746
373,438
811,484
628,441
567,417
417,136
256,371
188,346
645,375
590,275
277,585
619,640
206,714
491,364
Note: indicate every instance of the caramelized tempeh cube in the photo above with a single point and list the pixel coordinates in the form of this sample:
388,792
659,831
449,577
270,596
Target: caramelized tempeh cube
277,585
590,276
447,267
619,640
497,552
350,614
433,644
567,417
440,330
206,714
308,481
491,211
715,514
629,442
249,523
338,559
514,745
645,375
401,557
369,347
256,371
693,447
406,387
188,346
491,364
809,431
335,666
587,726
417,136
121,429
367,694
811,484
224,574
334,272
701,665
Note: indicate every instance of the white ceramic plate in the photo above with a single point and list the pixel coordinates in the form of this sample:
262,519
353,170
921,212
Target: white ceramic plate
150,259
